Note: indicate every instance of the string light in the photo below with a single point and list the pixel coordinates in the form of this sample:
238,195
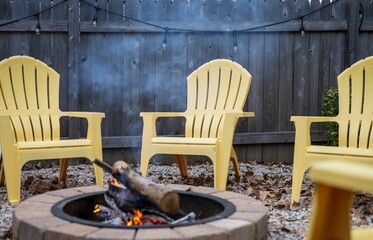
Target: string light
37,28
167,29
302,29
361,15
235,41
95,18
164,42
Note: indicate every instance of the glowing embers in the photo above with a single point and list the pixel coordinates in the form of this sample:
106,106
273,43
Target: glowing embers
134,218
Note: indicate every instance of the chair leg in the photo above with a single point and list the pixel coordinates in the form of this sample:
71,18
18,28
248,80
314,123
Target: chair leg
99,174
221,171
183,165
330,217
144,163
2,175
12,172
234,160
64,163
298,174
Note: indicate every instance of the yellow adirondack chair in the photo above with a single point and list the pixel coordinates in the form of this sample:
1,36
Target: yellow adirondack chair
355,87
336,183
217,92
29,122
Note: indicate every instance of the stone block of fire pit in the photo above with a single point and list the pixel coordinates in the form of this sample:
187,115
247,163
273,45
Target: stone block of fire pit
32,219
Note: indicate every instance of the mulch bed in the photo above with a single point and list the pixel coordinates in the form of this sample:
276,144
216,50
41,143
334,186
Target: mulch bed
270,183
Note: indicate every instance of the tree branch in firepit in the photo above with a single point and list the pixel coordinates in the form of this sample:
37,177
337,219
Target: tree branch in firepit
161,196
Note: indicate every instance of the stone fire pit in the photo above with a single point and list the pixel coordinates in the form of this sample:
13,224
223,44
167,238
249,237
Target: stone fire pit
33,219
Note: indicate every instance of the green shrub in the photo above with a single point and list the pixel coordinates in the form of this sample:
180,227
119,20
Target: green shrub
329,107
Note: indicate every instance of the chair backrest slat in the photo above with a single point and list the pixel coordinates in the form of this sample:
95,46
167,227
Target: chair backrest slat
355,86
216,87
28,86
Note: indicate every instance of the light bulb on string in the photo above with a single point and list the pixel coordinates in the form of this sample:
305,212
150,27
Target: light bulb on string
235,46
95,18
95,21
164,42
37,28
302,29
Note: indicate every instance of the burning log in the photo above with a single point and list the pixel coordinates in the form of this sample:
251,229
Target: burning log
162,197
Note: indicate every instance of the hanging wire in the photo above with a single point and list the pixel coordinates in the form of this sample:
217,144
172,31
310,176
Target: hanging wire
183,29
23,18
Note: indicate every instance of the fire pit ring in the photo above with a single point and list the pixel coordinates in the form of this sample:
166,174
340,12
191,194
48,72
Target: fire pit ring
33,219
74,209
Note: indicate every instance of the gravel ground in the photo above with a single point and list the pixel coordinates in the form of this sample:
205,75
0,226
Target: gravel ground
269,183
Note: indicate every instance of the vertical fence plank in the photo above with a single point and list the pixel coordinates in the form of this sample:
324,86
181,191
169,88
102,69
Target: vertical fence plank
178,68
271,77
285,94
210,43
73,65
5,14
337,57
324,50
353,53
195,14
366,47
315,93
256,68
131,122
163,62
87,100
60,60
370,35
301,59
242,12
115,76
19,41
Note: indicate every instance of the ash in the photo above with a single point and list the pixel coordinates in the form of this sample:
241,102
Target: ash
269,183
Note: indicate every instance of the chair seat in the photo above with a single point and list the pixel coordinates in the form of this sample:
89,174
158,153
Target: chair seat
184,140
361,152
54,144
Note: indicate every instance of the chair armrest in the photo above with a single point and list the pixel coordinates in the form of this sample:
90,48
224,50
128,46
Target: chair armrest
94,122
83,114
149,119
311,119
248,114
303,131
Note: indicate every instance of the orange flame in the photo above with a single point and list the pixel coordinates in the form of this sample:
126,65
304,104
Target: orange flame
115,182
97,209
138,219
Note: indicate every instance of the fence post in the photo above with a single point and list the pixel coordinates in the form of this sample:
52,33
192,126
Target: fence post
73,64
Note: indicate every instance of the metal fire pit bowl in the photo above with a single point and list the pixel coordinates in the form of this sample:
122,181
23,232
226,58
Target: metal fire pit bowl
78,209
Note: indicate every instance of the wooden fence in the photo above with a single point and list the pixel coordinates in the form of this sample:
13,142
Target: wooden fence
119,65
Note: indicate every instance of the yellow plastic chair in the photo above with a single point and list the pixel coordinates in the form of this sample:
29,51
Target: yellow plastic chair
30,123
355,87
217,92
336,183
